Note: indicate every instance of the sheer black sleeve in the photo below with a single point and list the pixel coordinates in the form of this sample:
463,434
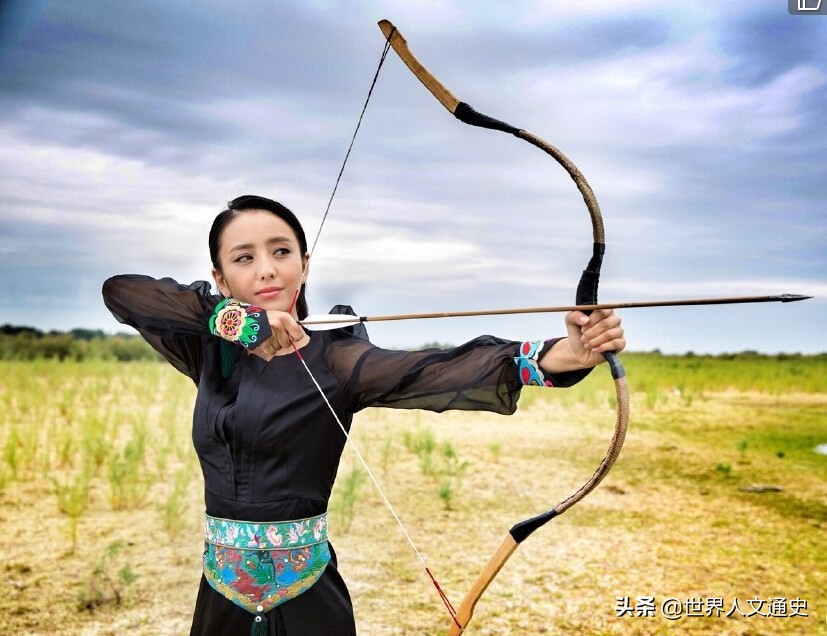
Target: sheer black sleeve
485,374
172,317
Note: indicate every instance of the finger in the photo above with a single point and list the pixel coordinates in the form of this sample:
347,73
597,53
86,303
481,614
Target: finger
577,318
616,344
605,324
604,337
275,346
296,332
574,330
600,314
286,340
603,317
287,329
266,350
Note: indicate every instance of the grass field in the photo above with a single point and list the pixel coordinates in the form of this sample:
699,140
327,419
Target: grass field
718,499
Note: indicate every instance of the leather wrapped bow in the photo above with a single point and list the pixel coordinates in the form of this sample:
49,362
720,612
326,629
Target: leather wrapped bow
586,295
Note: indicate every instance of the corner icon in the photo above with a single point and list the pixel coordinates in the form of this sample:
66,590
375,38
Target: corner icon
806,7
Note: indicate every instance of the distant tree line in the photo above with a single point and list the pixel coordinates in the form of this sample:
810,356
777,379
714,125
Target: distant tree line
28,343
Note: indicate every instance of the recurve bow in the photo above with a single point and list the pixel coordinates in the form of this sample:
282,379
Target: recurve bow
586,295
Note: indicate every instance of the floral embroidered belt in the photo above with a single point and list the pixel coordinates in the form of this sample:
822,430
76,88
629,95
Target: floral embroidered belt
260,565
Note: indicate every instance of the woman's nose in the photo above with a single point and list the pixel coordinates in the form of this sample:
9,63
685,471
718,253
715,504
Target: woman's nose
266,269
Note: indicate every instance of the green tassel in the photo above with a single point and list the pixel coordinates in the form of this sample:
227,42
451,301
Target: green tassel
259,626
227,358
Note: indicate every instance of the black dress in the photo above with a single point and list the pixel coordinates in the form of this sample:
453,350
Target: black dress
268,444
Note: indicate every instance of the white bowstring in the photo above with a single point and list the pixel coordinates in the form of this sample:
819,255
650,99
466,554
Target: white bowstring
362,459
350,147
348,439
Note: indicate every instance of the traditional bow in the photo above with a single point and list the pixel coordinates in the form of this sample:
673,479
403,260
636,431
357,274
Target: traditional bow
586,300
586,295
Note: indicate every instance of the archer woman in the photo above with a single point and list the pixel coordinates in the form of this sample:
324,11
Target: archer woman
268,444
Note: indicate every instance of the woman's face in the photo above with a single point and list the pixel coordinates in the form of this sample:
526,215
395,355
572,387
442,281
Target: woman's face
261,261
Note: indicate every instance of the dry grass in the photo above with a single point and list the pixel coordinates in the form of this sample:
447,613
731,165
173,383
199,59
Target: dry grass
670,520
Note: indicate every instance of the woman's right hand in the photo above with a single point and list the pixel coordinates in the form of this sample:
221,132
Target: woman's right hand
286,332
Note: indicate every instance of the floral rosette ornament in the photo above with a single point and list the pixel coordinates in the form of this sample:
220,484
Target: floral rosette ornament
235,321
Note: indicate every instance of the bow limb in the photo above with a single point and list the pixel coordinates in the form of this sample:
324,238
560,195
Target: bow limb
586,295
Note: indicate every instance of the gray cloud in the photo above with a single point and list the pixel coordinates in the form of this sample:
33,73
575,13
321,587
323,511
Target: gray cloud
127,125
763,45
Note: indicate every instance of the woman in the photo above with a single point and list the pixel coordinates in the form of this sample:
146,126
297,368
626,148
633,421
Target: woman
269,446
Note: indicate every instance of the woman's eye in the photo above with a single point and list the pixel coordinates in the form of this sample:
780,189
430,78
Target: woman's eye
282,251
243,258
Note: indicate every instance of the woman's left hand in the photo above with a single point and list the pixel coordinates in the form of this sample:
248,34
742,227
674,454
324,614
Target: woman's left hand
591,335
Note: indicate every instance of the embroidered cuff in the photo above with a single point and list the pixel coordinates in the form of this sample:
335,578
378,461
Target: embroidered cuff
239,322
530,372
528,362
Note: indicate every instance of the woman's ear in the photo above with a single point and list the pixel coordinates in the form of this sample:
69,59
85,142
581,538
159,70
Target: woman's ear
221,282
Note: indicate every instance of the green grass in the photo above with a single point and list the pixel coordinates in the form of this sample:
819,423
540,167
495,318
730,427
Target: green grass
105,447
674,379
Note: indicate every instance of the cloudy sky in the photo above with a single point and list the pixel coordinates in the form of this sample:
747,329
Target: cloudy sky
126,125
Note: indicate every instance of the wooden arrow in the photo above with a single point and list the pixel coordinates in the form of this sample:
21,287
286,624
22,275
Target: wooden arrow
324,322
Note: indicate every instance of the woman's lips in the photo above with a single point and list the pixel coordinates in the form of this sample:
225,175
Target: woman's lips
269,292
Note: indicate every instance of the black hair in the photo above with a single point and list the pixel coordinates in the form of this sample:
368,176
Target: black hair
252,202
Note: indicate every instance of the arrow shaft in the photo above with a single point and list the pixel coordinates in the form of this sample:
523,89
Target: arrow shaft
322,321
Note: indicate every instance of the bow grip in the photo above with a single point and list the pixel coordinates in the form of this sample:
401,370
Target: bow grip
587,295
587,287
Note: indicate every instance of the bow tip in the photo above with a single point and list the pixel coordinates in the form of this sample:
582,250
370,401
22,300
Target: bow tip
387,27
